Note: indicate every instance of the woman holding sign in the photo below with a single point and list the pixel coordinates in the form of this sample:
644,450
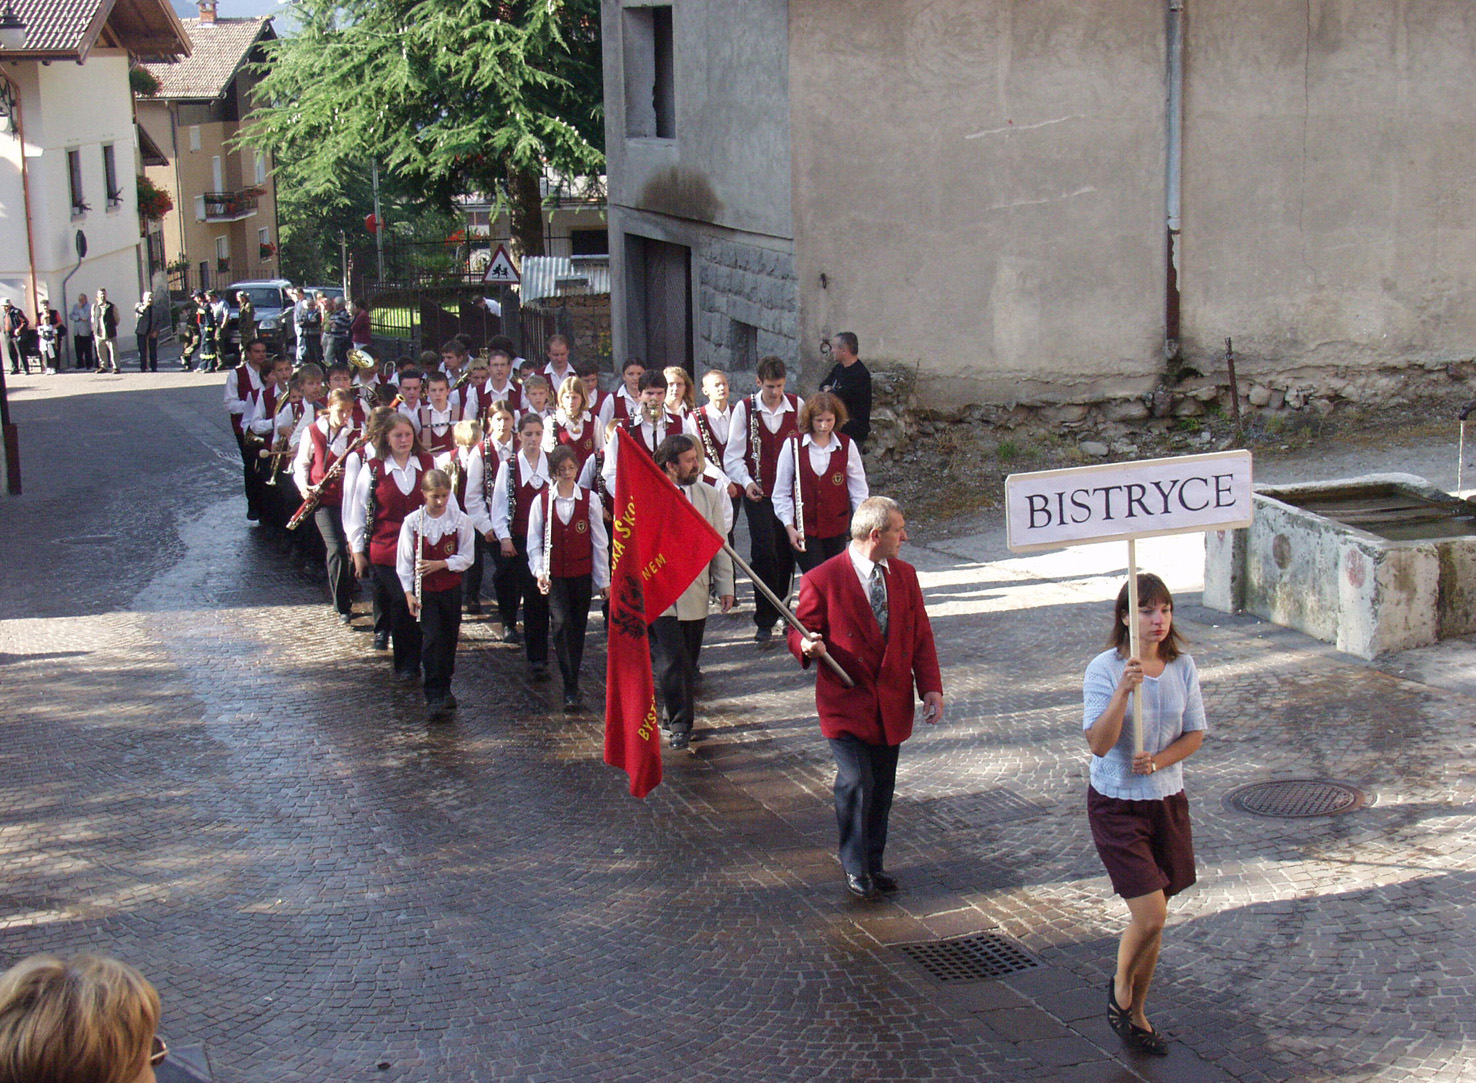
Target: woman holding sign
1136,804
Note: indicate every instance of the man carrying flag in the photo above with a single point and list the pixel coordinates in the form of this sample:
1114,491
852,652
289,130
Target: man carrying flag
660,542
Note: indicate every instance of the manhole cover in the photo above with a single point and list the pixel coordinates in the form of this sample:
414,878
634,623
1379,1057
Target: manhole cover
968,958
1297,797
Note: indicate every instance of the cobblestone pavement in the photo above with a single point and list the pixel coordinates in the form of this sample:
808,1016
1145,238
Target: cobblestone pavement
205,774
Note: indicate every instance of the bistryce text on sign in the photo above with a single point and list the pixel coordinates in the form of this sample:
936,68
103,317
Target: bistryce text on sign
1115,501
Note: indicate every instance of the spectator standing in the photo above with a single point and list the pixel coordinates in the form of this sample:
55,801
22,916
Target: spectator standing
850,381
105,332
48,332
17,329
245,319
146,327
80,315
336,336
222,313
361,334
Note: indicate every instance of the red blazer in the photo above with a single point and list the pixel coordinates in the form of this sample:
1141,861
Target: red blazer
880,709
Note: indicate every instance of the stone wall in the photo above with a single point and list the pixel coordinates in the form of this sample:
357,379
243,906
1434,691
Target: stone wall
584,319
745,306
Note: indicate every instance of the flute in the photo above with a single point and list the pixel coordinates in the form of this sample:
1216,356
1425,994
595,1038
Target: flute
419,563
799,497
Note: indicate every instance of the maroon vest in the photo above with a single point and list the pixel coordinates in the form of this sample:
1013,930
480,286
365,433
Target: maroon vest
444,549
622,407
486,397
769,443
712,447
638,431
827,498
439,441
243,392
573,547
390,508
323,460
583,445
522,495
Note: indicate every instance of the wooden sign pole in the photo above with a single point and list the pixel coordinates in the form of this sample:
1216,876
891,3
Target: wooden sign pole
1134,646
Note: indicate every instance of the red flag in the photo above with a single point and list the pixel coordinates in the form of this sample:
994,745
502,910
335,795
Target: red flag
659,543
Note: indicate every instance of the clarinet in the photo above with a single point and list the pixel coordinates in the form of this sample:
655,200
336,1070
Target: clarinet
545,580
755,448
419,562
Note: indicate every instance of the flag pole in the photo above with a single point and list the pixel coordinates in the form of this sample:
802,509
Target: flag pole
784,610
1133,644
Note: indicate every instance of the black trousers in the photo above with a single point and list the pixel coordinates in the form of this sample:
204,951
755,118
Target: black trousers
249,479
818,551
440,626
506,583
865,776
340,567
404,631
471,579
568,618
535,607
148,353
674,646
82,351
772,558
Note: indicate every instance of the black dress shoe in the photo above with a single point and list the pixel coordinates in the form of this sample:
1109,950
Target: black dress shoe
407,674
571,701
884,882
474,609
381,641
510,635
450,701
540,671
763,635
347,618
680,738
860,886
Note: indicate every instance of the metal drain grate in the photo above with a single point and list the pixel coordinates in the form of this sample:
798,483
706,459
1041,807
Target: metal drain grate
968,958
1296,798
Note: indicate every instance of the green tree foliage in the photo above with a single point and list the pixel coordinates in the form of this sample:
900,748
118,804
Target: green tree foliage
450,96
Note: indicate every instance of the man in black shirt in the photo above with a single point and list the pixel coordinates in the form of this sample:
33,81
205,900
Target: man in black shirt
851,382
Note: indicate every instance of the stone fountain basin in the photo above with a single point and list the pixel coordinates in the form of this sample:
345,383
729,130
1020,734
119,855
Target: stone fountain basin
1372,564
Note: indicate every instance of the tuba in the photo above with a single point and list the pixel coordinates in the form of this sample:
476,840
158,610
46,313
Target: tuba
361,361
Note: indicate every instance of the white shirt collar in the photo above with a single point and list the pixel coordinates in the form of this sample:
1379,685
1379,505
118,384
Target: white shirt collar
862,564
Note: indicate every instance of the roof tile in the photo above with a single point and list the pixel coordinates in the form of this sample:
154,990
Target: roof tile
218,51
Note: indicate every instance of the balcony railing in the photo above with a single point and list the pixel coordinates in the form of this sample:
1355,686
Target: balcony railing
229,206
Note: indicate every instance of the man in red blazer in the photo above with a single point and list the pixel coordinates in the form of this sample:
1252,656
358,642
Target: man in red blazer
864,607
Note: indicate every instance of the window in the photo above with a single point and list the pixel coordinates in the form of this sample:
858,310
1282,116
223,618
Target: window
194,137
742,346
110,177
199,208
261,167
589,242
650,72
264,249
217,174
223,255
74,182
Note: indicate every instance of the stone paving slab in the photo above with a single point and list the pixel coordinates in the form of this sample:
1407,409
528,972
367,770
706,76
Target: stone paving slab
213,779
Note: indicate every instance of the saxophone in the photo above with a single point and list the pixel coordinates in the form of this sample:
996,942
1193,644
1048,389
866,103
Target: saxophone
279,446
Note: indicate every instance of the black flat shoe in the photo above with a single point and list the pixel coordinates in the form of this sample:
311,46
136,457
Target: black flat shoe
381,641
1147,1040
884,882
860,886
1117,1017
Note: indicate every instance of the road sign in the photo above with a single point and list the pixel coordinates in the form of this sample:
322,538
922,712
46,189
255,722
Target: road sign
501,268
1115,501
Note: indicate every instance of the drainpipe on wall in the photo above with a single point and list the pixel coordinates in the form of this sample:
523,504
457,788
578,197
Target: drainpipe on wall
1174,179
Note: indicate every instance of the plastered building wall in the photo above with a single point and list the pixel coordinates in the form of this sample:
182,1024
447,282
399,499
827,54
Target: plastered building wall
721,186
980,184
1330,183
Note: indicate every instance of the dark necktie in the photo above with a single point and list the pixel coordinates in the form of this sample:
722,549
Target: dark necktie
878,597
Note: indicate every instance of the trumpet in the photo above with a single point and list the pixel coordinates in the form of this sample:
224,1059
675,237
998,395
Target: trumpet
279,445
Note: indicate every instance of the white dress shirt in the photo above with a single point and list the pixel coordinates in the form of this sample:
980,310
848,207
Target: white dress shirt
502,511
234,403
820,458
356,481
564,509
607,408
719,423
452,520
336,447
735,459
652,432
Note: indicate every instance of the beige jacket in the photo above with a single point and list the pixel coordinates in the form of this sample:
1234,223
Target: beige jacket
692,605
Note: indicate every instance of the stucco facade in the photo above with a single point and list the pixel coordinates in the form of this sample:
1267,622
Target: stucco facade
979,188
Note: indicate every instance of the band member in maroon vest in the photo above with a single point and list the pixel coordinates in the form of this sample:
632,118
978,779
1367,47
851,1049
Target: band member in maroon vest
520,481
681,396
327,443
831,482
573,426
621,404
241,383
438,415
594,398
384,490
496,447
498,386
435,547
650,425
568,554
711,427
761,424
457,464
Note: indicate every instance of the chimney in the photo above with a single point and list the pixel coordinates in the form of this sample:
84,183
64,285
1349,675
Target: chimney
207,11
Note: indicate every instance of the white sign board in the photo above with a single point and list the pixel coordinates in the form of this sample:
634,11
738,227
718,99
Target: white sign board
501,268
1117,501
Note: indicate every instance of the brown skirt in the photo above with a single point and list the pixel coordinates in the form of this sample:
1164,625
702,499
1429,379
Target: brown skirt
1146,846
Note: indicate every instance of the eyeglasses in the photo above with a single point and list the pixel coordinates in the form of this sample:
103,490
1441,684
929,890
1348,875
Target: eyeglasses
158,1052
